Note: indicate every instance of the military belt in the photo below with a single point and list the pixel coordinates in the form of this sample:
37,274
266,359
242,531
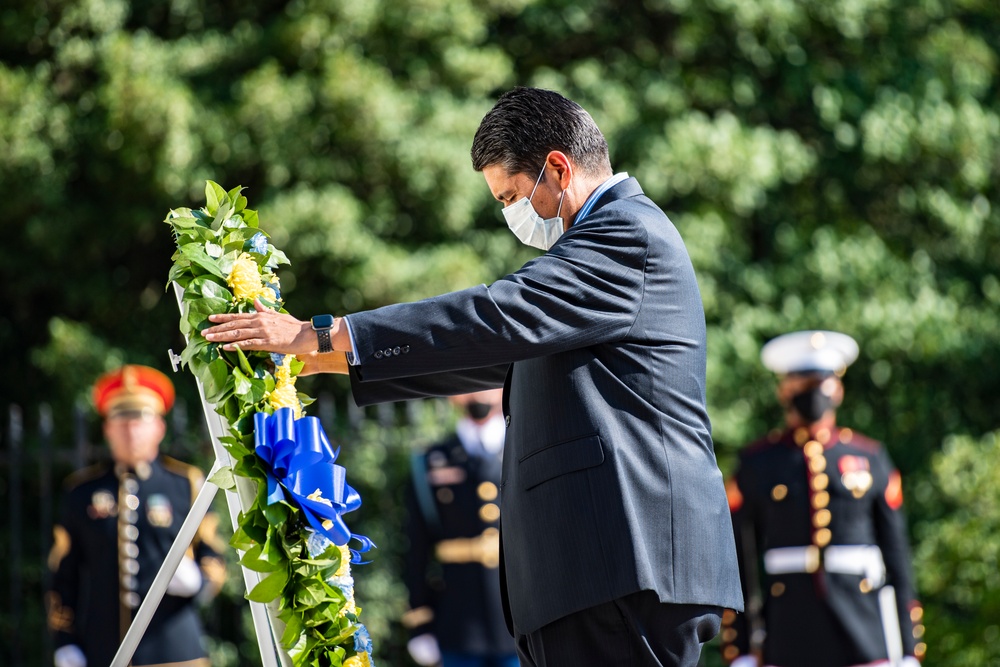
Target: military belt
483,549
861,559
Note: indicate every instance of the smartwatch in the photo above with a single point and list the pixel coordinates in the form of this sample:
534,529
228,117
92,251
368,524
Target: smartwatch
322,324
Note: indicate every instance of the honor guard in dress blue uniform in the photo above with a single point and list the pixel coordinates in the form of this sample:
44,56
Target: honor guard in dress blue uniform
117,524
819,529
456,614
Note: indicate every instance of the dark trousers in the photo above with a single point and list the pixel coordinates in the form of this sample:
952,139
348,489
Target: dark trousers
634,631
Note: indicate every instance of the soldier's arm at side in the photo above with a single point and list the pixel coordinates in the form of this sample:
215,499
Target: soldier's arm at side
890,526
737,628
65,560
419,616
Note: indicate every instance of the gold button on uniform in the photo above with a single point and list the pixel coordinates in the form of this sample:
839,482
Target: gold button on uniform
817,464
821,519
777,589
822,537
489,513
779,492
865,586
820,482
487,491
821,500
813,448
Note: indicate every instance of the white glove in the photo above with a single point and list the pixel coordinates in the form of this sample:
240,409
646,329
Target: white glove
745,661
69,656
186,581
910,661
424,650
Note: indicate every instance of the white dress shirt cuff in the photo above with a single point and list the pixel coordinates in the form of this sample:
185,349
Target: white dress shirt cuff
352,357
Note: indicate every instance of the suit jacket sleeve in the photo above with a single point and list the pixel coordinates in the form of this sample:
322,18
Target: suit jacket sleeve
585,291
426,386
890,527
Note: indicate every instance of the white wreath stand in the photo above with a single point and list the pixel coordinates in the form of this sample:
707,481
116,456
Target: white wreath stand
265,617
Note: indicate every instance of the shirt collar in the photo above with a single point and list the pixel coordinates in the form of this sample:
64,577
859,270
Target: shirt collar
596,194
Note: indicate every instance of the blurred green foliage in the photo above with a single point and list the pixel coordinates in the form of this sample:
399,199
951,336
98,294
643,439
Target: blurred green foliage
830,163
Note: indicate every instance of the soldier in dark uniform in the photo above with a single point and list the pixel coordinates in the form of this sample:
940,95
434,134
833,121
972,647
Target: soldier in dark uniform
117,524
456,616
819,529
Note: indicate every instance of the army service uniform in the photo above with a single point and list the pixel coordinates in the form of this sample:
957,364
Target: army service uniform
452,568
821,537
114,533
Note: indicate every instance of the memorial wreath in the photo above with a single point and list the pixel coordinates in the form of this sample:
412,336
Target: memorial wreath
293,532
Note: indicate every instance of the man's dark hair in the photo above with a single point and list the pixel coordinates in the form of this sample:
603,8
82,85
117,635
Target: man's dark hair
527,123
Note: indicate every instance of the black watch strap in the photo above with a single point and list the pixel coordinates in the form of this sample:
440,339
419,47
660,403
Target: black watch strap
325,345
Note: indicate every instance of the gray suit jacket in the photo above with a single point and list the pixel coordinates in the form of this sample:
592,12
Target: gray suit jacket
610,483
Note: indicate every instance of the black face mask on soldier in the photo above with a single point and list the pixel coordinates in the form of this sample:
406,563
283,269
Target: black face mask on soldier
812,404
477,411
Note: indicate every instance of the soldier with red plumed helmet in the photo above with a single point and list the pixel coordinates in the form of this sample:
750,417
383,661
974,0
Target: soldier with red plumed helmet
118,521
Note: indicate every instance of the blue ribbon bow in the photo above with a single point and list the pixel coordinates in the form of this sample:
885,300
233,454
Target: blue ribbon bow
301,471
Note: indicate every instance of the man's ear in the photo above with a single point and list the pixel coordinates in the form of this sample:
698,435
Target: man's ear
562,165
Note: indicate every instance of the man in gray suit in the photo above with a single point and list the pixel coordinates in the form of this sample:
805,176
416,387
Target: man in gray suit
617,545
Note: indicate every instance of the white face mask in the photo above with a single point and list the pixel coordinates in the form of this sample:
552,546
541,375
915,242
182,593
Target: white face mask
531,228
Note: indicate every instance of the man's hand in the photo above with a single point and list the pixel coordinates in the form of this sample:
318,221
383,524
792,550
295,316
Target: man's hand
265,329
424,650
186,581
69,656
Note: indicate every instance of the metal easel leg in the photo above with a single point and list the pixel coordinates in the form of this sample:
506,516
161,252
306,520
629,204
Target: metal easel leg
149,605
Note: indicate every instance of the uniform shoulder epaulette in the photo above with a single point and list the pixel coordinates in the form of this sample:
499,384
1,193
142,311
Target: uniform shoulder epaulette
859,440
84,475
192,473
761,444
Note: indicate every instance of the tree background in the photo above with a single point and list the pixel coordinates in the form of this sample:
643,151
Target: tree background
830,164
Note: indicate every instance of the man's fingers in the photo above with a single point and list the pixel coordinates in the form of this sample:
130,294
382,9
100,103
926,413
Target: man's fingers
250,344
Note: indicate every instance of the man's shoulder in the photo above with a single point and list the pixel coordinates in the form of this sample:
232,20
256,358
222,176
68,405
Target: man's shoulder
186,471
763,445
86,477
443,451
852,438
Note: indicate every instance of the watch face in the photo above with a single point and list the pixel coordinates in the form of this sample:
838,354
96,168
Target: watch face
322,321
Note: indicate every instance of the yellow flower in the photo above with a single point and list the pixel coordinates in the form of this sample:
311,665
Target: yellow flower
345,562
359,660
246,281
284,394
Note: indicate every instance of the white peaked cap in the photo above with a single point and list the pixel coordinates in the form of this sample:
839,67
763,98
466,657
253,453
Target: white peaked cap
809,351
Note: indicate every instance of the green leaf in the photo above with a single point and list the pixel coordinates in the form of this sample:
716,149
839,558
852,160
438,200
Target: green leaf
273,552
250,217
225,209
293,630
276,258
213,195
211,287
270,588
244,362
196,254
216,380
223,478
276,513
